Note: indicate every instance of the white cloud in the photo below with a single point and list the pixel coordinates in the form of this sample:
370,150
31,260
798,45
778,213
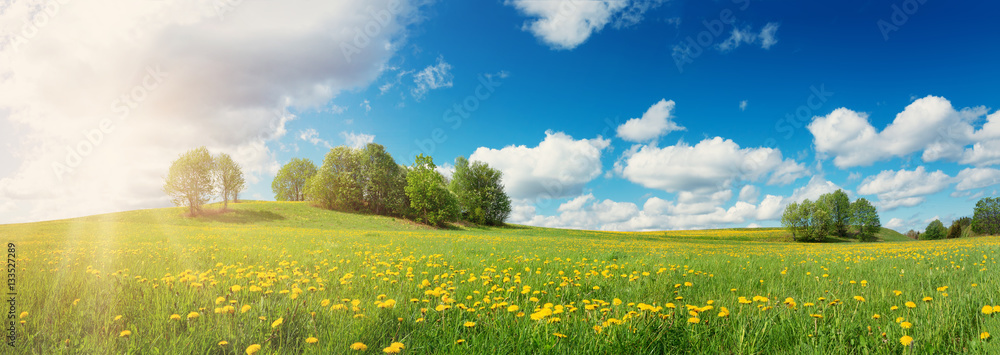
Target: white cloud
929,124
749,194
558,167
743,105
904,188
655,122
711,165
432,77
894,223
312,136
447,170
565,24
977,178
191,78
745,35
357,140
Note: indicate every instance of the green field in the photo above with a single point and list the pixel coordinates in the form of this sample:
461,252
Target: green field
282,275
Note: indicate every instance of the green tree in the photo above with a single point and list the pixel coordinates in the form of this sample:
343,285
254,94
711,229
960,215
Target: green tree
480,192
229,177
955,231
430,200
864,217
383,181
808,221
935,230
839,206
290,183
189,180
986,217
795,221
338,183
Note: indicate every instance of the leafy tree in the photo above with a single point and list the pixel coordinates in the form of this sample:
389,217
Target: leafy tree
480,192
839,206
864,217
955,231
912,234
986,218
338,183
430,200
290,183
189,181
383,181
808,221
229,177
935,230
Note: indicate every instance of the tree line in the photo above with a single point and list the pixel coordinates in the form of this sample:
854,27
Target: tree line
985,220
832,214
368,180
197,176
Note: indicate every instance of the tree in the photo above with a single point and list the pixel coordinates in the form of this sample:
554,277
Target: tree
955,231
986,218
935,230
383,181
480,192
795,220
839,205
864,217
912,234
431,201
809,221
290,183
189,181
338,183
229,177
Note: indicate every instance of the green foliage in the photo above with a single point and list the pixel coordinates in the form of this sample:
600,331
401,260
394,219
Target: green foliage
383,182
290,183
986,218
912,234
955,231
338,184
864,218
808,221
839,206
430,199
935,230
229,177
795,220
480,192
189,181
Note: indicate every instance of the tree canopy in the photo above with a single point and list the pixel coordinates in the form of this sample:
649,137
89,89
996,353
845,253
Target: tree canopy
290,183
189,180
229,177
480,192
430,200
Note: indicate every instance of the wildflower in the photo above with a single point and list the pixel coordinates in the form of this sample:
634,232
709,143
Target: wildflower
818,316
559,335
125,334
398,345
906,325
193,315
359,346
223,343
277,322
911,305
897,292
23,315
460,341
876,316
694,320
235,288
175,317
928,299
391,350
220,300
859,298
469,324
76,301
253,349
723,312
906,340
118,317
311,340
513,308
245,308
984,336
987,310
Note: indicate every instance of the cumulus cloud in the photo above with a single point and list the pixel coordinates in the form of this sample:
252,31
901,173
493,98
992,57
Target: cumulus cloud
558,167
743,105
904,188
738,36
711,165
432,77
929,125
655,122
114,93
357,140
312,136
565,24
977,178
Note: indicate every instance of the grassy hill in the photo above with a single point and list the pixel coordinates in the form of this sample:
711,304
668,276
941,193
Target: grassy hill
291,278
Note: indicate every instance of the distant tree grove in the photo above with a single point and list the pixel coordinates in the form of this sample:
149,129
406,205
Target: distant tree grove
197,176
985,220
368,180
833,214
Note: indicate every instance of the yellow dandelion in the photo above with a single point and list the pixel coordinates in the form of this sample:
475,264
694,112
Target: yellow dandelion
223,343
460,341
513,308
175,317
118,317
311,340
694,320
193,315
928,299
391,350
906,325
235,288
220,300
906,340
987,310
399,345
253,349
816,315
277,322
559,335
911,305
859,298
469,324
876,316
125,334
245,308
359,346
23,315
984,336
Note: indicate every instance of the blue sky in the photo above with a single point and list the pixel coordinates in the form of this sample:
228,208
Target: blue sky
893,100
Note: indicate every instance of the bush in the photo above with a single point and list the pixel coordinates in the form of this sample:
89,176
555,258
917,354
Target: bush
986,218
912,234
935,230
955,231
